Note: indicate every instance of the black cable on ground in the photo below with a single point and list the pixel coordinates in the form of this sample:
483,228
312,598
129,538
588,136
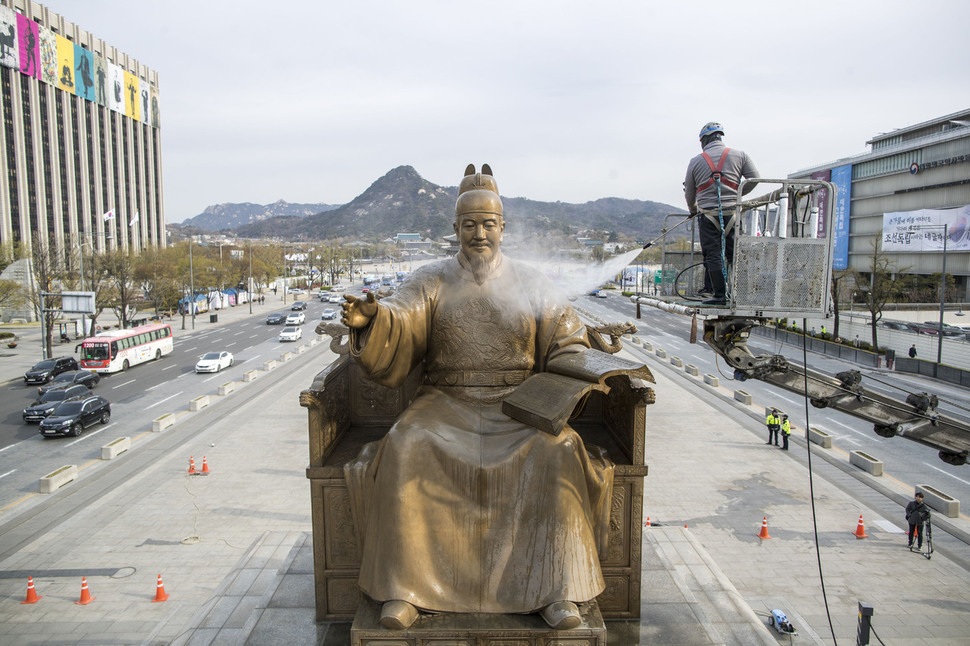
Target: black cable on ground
811,487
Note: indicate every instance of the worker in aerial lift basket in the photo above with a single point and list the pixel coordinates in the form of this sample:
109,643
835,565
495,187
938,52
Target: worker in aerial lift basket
711,186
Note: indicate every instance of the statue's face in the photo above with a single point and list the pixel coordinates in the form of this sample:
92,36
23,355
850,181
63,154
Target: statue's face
480,235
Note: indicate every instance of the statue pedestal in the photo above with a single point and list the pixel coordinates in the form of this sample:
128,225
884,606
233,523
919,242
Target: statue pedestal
476,630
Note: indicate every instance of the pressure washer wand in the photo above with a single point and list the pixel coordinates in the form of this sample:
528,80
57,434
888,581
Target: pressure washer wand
664,232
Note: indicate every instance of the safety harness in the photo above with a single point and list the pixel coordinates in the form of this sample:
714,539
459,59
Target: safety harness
716,179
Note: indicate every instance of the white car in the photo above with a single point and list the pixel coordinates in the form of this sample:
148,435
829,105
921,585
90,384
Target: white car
291,334
296,318
336,298
329,314
214,361
295,290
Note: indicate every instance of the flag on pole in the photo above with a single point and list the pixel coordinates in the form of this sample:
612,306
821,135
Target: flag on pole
134,220
110,215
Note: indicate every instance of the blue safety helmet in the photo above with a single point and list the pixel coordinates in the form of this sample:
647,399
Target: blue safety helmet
710,128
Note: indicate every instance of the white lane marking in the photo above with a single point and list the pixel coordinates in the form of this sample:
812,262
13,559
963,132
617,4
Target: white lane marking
164,400
215,376
948,473
231,344
8,473
130,381
84,437
12,445
170,367
191,349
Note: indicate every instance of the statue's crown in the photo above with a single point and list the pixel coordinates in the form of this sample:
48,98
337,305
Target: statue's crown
478,192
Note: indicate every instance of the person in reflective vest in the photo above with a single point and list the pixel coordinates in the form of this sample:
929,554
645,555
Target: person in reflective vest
785,432
774,425
711,186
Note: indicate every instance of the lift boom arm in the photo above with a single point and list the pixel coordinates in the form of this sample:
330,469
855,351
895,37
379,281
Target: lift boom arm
914,418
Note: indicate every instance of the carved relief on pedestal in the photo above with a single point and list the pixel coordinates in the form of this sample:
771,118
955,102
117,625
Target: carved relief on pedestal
342,550
616,547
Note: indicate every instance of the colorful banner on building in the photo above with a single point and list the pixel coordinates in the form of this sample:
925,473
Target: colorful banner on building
84,73
100,80
9,47
842,178
116,88
132,96
823,201
29,46
65,64
146,115
48,55
924,230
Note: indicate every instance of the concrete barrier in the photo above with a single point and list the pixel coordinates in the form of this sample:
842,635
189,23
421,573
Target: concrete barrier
300,349
57,479
676,362
111,450
936,499
743,397
269,365
661,353
648,346
712,381
637,341
250,375
199,402
227,387
161,423
286,356
866,462
821,438
692,370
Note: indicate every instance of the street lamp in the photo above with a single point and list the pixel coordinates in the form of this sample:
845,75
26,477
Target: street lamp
249,285
945,227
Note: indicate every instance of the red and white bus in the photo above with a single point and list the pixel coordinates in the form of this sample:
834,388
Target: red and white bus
116,350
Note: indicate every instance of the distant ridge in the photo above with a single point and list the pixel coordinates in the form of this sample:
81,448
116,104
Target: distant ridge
403,201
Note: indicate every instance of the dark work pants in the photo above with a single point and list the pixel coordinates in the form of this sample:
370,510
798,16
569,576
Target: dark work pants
916,530
784,441
710,237
773,436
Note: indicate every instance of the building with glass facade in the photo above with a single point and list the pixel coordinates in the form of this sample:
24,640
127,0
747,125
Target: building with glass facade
910,194
81,143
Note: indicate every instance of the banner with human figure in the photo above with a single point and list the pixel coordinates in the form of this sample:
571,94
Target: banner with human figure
29,43
924,230
132,96
65,64
116,88
84,73
9,45
100,80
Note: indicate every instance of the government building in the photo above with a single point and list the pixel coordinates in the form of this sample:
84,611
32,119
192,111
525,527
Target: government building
81,141
910,194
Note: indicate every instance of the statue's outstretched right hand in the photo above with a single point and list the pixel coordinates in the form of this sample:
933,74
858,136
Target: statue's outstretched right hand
358,311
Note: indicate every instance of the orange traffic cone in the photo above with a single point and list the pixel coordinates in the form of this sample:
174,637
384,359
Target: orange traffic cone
764,529
205,466
86,597
860,530
32,596
648,521
191,464
160,594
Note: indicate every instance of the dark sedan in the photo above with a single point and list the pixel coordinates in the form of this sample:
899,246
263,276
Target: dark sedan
299,305
82,377
275,319
70,418
47,369
50,400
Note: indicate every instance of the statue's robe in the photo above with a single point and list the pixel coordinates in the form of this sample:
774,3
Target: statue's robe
464,509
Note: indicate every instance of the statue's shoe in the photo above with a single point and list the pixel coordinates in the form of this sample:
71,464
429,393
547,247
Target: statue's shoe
562,615
397,614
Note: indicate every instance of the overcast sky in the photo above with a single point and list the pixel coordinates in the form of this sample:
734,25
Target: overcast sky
313,100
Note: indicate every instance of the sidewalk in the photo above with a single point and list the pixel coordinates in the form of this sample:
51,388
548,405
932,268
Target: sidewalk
233,547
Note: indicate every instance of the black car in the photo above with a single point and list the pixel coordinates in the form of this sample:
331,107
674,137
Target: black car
298,305
50,400
48,369
70,418
83,377
275,319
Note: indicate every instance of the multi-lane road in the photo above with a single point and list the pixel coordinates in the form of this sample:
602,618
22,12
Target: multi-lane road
137,396
904,460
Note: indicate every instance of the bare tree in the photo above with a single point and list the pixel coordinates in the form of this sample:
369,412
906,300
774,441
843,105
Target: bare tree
46,275
884,286
119,266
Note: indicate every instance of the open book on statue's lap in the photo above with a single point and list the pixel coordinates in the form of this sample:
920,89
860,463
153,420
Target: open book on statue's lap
546,400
